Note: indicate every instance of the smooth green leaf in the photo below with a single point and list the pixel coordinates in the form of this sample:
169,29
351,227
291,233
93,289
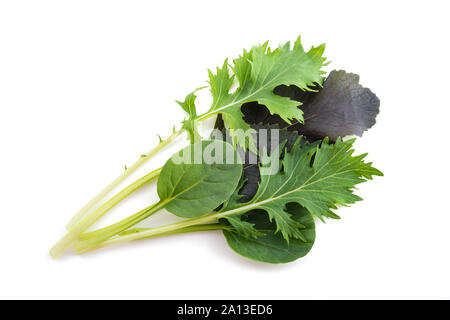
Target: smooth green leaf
199,178
271,247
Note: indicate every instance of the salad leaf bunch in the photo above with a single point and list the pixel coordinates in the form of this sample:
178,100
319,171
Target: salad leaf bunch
278,159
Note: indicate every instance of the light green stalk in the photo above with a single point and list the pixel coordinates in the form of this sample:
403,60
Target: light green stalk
88,208
142,232
95,240
86,217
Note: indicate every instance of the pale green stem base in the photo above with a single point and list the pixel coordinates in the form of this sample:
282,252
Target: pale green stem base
97,236
109,188
90,219
203,227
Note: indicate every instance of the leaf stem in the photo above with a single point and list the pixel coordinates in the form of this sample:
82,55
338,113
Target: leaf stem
111,203
109,188
116,228
86,245
120,238
104,233
93,238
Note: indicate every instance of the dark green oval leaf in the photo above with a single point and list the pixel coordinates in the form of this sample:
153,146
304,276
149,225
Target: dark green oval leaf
199,178
272,247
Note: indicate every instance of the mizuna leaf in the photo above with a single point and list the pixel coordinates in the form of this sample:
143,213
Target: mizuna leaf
319,187
259,71
194,187
270,141
190,124
270,246
188,104
251,176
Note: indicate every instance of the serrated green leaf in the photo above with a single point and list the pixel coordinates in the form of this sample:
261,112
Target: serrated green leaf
319,187
259,71
190,124
243,228
188,104
220,84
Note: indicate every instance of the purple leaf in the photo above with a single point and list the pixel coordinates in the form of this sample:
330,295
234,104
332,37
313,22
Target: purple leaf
341,107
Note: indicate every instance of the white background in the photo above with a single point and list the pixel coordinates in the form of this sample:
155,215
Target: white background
85,86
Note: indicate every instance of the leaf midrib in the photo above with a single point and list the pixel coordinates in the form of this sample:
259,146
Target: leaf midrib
255,205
